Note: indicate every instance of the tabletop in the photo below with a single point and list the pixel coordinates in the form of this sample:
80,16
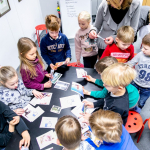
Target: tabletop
69,75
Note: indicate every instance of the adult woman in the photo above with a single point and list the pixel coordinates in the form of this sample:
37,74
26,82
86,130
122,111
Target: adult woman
113,14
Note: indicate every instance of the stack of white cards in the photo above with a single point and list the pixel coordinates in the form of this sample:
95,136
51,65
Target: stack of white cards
43,101
81,73
32,113
48,122
70,101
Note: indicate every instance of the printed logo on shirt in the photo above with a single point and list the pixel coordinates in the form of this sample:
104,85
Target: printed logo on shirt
122,60
81,37
122,55
60,50
61,46
54,46
53,51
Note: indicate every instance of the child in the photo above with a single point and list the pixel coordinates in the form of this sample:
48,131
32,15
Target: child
32,67
123,50
54,45
82,46
101,65
115,79
107,126
142,65
13,92
9,122
68,131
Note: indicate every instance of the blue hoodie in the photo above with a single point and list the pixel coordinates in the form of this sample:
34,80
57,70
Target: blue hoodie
53,50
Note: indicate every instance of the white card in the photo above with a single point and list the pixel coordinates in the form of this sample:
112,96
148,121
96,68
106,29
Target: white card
43,101
84,126
48,122
70,101
81,73
45,139
62,85
56,77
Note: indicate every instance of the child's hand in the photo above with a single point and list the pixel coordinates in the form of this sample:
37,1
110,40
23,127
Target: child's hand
88,104
90,79
86,92
48,84
37,94
85,117
26,139
67,60
19,111
15,121
48,75
53,67
78,63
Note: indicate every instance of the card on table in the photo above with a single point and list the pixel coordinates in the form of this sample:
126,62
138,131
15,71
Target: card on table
56,109
43,101
56,77
32,113
81,73
70,101
51,148
78,88
84,126
62,85
48,122
45,139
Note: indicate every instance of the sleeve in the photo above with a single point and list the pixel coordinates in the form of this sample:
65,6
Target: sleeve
131,52
25,91
99,103
44,52
4,138
99,18
135,18
99,82
67,48
9,114
28,81
99,94
134,60
106,52
78,48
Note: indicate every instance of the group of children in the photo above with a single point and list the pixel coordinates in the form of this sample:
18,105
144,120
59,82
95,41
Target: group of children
124,87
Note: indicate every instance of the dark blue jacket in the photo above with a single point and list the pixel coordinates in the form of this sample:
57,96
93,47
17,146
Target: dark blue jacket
53,50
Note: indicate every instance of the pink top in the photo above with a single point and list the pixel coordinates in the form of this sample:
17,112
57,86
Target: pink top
82,46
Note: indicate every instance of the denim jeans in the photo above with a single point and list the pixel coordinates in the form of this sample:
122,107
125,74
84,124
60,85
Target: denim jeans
144,94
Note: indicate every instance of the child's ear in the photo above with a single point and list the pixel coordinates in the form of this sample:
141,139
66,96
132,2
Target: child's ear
58,142
120,88
116,39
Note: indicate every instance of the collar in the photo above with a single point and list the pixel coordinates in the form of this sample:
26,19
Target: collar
59,37
35,61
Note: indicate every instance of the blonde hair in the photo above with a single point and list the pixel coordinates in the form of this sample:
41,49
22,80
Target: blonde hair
6,73
106,125
68,131
118,74
84,15
125,4
52,22
24,46
126,34
146,39
105,62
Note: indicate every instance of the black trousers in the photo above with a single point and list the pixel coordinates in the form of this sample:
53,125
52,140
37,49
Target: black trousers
100,52
89,62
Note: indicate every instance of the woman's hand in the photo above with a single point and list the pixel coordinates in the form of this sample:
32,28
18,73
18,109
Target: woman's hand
37,94
109,40
92,34
48,84
19,111
26,139
88,104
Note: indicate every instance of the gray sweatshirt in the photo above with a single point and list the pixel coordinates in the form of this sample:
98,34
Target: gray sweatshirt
107,27
142,66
